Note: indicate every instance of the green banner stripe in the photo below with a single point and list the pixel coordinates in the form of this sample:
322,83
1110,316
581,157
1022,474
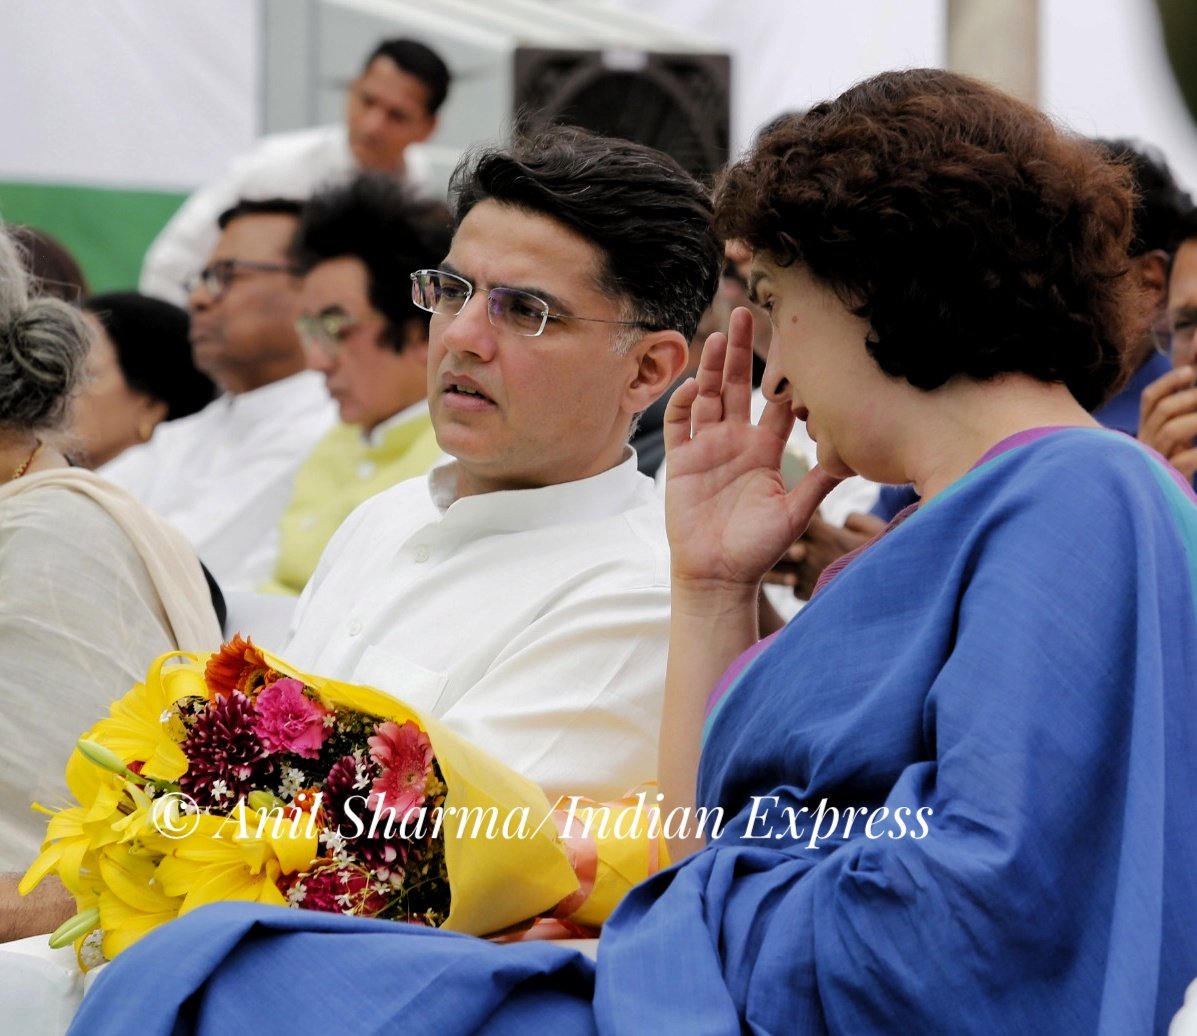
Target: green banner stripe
107,230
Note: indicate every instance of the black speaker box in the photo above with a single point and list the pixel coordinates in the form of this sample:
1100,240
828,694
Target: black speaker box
678,102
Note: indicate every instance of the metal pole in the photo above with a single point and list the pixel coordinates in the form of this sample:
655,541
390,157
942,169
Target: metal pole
998,41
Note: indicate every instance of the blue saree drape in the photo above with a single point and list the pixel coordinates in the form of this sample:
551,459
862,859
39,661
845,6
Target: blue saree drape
1016,660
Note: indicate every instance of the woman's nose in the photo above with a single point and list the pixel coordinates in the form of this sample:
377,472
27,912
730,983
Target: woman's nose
775,385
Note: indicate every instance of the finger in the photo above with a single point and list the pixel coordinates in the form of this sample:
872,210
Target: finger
803,500
796,553
737,367
866,524
1185,463
677,415
1165,385
708,407
780,577
1158,412
777,418
1177,435
1181,402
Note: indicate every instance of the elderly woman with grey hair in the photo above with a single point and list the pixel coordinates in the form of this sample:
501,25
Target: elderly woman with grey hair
93,586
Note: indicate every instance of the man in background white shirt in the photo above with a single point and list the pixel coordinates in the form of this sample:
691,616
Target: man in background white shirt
223,476
521,592
389,109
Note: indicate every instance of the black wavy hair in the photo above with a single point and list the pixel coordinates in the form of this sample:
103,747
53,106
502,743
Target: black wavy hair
374,219
150,337
649,219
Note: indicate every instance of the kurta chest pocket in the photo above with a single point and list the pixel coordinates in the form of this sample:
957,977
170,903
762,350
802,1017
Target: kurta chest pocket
406,680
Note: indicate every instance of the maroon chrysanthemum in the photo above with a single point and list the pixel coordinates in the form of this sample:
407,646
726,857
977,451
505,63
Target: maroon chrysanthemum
225,759
346,811
341,785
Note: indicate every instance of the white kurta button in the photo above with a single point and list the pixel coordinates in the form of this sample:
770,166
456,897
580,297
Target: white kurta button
422,553
354,626
365,469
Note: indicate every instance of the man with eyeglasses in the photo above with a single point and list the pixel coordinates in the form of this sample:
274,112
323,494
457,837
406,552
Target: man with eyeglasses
521,591
390,109
222,476
356,245
1169,405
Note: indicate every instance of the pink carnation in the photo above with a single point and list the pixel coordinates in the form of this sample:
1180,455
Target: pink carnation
289,721
405,755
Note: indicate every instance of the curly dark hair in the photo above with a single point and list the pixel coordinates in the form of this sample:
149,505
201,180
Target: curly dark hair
378,221
1160,201
648,217
975,236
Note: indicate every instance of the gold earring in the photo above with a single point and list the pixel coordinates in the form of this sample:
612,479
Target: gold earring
144,430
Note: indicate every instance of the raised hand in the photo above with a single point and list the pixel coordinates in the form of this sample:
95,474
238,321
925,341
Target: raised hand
727,510
1168,418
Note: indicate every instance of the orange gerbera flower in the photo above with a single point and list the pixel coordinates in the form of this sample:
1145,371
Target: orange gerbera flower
237,666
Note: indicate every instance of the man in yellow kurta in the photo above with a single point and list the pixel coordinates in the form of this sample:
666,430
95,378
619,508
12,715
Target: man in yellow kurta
357,245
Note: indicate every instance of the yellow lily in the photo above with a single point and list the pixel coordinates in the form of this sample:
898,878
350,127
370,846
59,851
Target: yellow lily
223,858
132,902
134,729
75,834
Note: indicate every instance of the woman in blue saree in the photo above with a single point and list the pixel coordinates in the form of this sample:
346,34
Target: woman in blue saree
957,790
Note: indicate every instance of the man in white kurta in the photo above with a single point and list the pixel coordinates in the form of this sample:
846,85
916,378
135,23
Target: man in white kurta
534,621
521,591
223,476
390,107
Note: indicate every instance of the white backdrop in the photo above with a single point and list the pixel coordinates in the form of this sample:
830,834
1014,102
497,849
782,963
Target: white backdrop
154,95
1102,64
161,94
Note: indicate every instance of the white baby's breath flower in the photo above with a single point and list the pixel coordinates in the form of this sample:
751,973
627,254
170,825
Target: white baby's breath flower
290,782
334,841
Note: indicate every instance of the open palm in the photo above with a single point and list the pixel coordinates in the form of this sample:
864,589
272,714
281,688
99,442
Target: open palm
728,513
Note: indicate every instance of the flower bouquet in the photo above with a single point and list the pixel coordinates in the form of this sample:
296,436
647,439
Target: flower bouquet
234,776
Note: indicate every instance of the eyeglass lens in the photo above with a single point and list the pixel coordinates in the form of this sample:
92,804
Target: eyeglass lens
506,308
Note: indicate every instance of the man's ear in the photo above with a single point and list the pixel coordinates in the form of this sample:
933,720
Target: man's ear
660,356
415,340
429,129
1153,275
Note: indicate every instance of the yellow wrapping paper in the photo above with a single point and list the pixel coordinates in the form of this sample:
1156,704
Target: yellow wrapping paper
612,846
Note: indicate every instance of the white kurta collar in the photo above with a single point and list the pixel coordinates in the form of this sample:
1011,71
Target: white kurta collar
376,435
598,496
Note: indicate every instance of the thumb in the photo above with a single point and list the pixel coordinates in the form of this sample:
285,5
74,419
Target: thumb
803,500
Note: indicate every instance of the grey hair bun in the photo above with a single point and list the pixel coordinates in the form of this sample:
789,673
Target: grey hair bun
43,346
